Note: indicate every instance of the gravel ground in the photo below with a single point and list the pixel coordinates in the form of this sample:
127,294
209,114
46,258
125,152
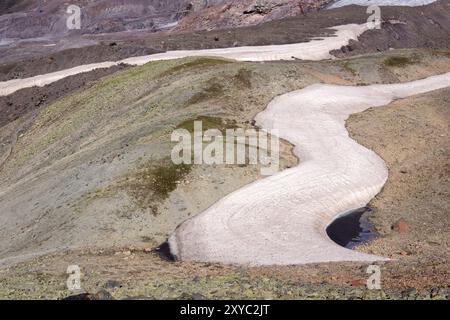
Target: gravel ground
411,213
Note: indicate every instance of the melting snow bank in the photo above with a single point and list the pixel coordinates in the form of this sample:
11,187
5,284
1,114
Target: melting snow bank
317,49
409,3
282,219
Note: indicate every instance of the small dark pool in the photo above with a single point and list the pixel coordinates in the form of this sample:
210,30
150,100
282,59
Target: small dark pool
164,252
352,229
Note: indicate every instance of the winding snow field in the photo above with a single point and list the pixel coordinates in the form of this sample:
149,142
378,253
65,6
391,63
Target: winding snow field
282,219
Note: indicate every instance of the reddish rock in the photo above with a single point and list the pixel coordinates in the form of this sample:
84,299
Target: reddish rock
358,283
401,226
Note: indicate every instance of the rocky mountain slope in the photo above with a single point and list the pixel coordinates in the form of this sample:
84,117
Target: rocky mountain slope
412,3
32,19
402,27
238,13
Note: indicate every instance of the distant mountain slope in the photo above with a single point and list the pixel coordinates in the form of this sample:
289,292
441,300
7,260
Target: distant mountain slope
410,3
27,19
238,13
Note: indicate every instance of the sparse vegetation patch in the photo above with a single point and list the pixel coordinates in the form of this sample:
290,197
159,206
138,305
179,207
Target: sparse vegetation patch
196,63
153,182
149,184
208,122
214,90
397,61
243,77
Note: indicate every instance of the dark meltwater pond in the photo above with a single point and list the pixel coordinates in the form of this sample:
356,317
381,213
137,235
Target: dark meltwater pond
352,229
164,252
348,230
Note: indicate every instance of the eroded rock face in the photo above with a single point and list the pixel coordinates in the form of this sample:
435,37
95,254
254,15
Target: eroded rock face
236,13
31,19
405,27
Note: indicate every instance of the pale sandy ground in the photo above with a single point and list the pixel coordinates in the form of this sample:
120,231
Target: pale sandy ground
412,136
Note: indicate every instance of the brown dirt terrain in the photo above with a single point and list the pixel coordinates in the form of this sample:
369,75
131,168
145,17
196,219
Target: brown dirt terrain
412,212
26,100
70,58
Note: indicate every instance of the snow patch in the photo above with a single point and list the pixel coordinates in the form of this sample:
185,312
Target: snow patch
282,219
316,49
